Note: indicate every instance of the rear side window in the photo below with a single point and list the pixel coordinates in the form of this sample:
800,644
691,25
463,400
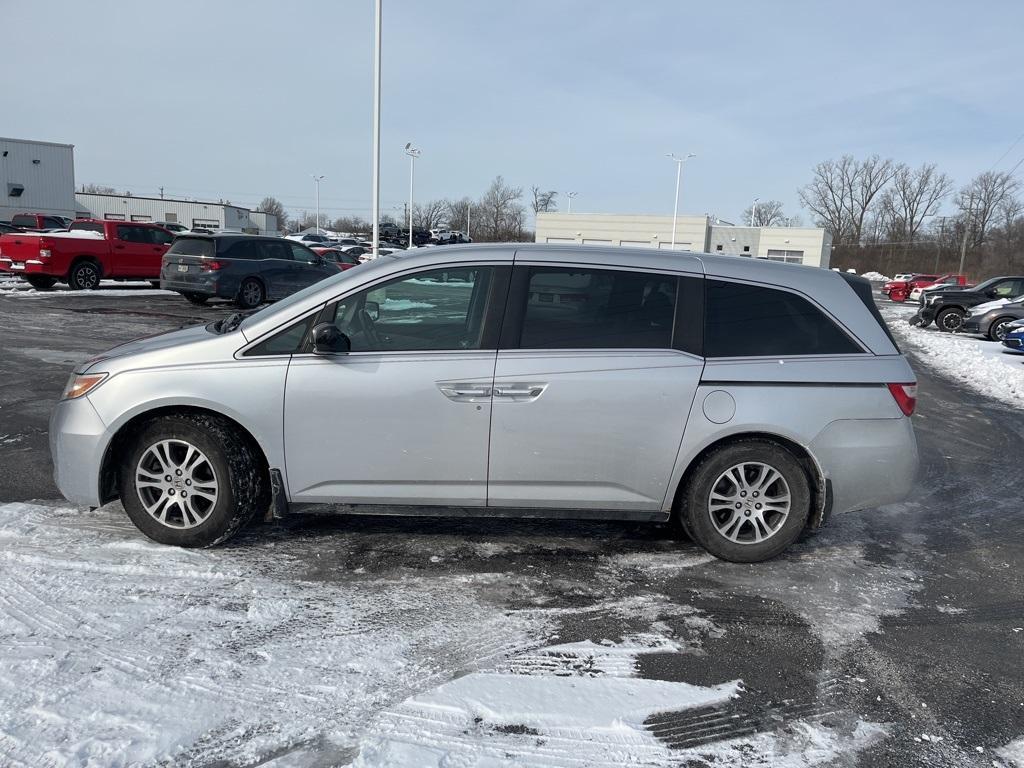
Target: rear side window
274,249
159,236
133,234
241,249
755,321
569,308
192,246
22,220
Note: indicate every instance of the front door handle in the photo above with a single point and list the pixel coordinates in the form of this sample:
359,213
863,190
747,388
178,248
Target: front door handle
465,392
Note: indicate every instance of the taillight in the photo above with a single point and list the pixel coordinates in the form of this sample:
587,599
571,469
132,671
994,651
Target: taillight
905,396
44,253
211,266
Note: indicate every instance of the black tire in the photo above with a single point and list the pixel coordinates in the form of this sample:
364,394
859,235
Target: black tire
199,299
250,294
950,320
997,329
41,282
84,276
697,519
229,457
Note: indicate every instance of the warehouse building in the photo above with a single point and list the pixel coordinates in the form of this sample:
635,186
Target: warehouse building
36,177
810,246
189,213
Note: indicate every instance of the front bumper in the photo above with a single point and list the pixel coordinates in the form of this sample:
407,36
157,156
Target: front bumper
869,462
923,317
78,440
1015,345
975,325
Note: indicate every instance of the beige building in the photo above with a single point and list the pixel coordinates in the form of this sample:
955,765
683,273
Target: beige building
797,245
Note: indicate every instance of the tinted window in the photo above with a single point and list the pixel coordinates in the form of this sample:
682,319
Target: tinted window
1009,289
436,310
133,234
50,221
192,246
286,342
587,309
302,254
241,249
274,249
751,321
160,236
22,220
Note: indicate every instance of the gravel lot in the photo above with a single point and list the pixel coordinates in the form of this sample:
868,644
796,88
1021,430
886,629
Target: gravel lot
894,637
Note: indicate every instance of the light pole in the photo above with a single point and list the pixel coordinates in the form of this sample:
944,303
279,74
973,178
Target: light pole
413,153
679,175
376,129
469,208
316,183
571,196
753,210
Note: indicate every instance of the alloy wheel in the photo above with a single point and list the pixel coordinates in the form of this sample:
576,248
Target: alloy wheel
1000,331
749,502
176,484
252,293
951,321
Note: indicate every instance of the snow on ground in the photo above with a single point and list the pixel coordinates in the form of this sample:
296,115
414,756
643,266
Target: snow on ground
1013,753
971,361
15,286
876,277
116,651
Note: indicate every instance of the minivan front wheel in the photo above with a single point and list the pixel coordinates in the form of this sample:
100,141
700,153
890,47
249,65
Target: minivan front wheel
192,480
747,501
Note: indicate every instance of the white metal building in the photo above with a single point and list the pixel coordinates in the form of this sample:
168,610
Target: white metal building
36,177
190,213
811,246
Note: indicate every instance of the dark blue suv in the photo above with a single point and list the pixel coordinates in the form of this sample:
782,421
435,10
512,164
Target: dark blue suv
247,269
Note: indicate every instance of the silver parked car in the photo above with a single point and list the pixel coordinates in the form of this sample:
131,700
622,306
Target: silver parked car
742,401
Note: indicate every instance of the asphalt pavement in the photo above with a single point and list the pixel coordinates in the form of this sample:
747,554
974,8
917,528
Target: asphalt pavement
909,616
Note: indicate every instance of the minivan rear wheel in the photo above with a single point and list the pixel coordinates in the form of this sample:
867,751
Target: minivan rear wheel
199,299
192,480
747,501
250,293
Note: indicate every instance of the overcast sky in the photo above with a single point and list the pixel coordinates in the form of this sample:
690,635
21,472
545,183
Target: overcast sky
242,100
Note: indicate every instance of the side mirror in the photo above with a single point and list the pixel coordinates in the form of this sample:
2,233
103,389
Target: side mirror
372,308
992,293
328,340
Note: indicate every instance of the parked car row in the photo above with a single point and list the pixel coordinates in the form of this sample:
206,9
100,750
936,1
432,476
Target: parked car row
951,308
902,287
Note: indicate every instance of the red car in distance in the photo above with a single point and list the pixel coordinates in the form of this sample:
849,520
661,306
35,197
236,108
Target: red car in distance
899,290
344,258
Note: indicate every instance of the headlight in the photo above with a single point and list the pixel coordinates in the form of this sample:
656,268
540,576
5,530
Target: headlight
82,384
930,298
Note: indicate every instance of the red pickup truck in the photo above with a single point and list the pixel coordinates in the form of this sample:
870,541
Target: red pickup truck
900,290
85,254
38,221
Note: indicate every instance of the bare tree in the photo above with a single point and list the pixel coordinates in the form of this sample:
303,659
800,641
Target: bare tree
430,214
543,201
500,212
458,214
915,194
350,224
98,189
843,193
767,213
980,201
273,206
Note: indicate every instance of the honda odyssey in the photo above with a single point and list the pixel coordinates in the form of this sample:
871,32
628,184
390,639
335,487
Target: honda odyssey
740,400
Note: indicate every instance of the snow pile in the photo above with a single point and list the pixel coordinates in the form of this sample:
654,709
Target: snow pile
975,363
876,277
81,234
15,286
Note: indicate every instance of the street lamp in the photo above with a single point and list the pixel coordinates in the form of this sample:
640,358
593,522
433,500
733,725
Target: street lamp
753,210
316,183
413,153
570,195
679,175
376,128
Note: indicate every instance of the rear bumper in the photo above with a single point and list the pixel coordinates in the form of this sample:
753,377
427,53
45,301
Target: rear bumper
29,267
78,440
869,462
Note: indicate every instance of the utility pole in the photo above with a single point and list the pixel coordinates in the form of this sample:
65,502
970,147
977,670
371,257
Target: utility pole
679,175
469,207
753,210
161,193
376,128
570,196
967,223
938,242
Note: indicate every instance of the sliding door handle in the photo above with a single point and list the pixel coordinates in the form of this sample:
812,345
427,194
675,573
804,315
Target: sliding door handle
465,393
519,391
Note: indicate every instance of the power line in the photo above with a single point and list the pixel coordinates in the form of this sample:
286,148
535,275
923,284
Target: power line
1008,151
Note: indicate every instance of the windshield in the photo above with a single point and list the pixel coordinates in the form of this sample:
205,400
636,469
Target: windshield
987,284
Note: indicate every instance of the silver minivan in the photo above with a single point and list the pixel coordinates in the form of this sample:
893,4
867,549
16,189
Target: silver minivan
739,400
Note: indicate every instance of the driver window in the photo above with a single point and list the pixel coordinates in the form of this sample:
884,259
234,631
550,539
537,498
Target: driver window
436,310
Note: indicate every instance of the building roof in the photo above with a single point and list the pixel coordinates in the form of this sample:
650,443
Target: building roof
171,200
